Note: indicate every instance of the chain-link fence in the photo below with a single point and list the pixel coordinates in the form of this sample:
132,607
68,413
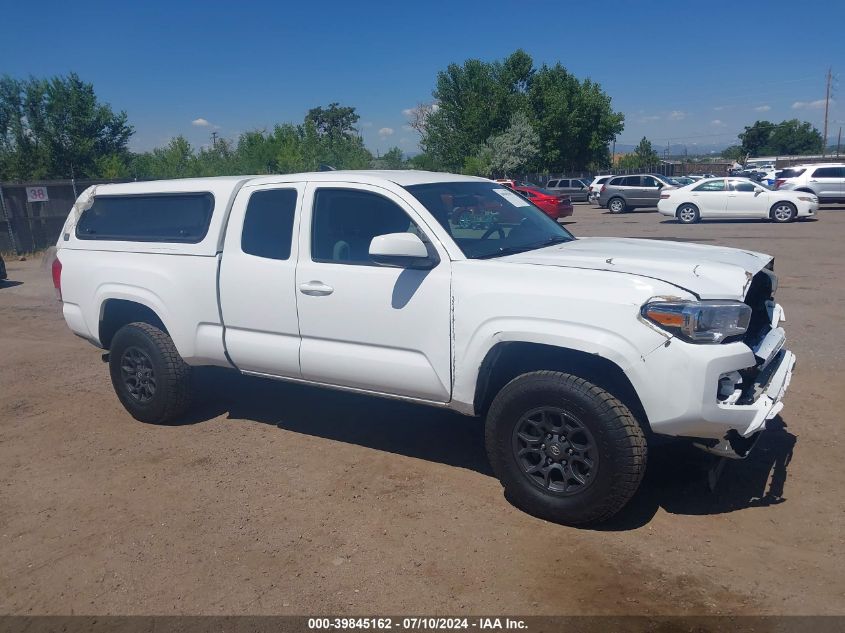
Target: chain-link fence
32,213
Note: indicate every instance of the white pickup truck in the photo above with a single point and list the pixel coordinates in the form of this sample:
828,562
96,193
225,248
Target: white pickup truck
445,290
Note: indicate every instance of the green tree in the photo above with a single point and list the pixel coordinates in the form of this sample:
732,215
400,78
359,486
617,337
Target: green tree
393,159
425,161
734,152
785,138
476,101
57,128
575,120
515,148
795,137
645,154
756,137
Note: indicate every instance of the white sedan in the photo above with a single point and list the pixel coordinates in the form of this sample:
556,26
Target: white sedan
739,198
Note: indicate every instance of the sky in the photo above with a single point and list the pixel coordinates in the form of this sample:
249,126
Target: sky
688,74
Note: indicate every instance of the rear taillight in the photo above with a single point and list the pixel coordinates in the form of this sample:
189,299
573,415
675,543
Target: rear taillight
664,196
603,187
779,182
57,278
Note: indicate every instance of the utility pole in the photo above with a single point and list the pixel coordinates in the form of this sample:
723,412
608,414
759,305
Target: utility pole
826,110
839,141
214,139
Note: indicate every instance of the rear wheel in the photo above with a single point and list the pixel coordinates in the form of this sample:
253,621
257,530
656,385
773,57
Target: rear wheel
149,377
564,449
688,214
617,205
783,212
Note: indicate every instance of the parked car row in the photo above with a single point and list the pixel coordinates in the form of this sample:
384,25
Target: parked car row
623,193
734,198
826,181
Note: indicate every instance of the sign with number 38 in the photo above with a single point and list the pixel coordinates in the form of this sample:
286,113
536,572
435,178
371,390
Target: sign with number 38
36,194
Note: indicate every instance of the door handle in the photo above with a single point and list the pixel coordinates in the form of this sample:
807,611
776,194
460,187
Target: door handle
315,289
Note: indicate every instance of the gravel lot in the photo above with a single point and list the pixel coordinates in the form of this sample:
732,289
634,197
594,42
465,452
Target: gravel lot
285,499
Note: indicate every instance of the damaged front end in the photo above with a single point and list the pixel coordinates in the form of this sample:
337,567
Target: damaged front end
758,389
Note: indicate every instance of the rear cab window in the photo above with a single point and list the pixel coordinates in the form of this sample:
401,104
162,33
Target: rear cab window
171,217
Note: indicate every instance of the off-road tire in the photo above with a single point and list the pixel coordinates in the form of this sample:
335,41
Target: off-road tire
172,376
617,205
619,441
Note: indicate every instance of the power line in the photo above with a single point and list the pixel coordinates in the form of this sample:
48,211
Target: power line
826,110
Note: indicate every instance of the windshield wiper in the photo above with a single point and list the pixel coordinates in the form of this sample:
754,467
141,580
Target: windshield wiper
513,250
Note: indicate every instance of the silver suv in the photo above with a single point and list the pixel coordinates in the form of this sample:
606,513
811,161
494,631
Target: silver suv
624,193
826,181
575,188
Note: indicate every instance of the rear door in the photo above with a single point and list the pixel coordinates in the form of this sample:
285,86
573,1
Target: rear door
257,280
633,190
710,198
651,191
828,182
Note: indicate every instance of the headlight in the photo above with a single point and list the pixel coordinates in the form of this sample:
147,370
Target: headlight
808,198
699,321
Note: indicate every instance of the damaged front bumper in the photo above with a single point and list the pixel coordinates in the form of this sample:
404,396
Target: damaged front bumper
720,395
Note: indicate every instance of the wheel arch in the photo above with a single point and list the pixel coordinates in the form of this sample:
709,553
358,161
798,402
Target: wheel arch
117,312
506,360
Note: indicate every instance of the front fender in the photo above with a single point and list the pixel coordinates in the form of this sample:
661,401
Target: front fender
622,352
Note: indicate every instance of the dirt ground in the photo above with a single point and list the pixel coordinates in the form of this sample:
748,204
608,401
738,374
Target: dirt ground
281,499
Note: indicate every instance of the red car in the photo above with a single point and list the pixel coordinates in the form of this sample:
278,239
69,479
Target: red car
553,205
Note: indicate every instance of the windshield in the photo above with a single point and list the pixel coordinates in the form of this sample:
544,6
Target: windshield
488,220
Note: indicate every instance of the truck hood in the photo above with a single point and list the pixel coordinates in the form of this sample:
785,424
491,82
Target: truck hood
710,272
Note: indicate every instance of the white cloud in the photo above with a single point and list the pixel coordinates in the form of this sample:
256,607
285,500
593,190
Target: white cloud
409,111
763,108
809,105
677,115
200,122
717,123
385,132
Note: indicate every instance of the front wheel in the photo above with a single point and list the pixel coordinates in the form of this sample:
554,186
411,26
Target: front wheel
565,449
150,379
784,212
688,214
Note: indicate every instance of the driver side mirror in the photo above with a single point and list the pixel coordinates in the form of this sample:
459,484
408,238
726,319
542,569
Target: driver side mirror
401,250
758,190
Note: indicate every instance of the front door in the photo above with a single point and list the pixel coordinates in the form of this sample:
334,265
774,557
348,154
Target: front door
745,200
257,276
363,325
